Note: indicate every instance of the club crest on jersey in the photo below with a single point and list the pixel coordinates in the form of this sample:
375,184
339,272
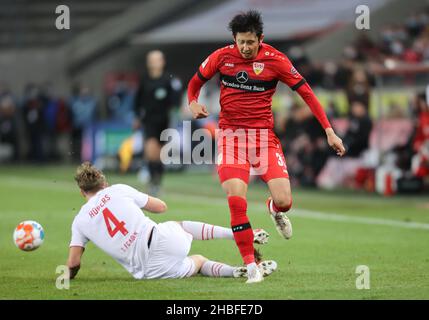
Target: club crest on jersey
258,67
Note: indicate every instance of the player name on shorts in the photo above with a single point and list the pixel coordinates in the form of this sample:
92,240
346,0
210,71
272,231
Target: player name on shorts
94,211
127,244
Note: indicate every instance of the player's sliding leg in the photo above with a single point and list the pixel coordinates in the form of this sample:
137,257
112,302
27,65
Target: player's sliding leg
218,269
279,203
205,231
214,269
210,268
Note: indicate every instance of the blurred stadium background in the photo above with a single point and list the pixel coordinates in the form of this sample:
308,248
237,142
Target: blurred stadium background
67,95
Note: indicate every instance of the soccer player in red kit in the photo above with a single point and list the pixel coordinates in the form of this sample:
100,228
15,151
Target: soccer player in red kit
249,72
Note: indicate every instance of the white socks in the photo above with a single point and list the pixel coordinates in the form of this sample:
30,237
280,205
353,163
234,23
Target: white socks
251,267
216,269
204,231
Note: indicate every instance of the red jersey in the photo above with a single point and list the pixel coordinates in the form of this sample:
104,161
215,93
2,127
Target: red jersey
248,85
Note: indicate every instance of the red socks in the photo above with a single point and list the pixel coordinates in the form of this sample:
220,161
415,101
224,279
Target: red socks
285,209
243,233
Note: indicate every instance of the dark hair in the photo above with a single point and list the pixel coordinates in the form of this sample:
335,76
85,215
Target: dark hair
249,21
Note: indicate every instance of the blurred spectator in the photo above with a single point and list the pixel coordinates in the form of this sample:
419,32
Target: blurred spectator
33,109
358,89
8,124
394,110
414,25
365,47
57,124
332,110
312,73
83,111
404,168
356,138
350,53
330,70
305,145
345,172
121,103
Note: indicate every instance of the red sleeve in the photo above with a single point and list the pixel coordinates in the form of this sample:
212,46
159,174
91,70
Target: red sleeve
209,67
205,72
194,87
287,73
310,98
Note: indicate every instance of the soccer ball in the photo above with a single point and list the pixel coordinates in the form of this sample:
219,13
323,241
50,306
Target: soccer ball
28,235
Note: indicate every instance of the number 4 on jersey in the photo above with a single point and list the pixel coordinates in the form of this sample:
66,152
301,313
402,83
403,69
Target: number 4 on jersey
119,226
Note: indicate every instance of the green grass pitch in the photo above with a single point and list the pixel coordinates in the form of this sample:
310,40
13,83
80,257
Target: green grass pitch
334,232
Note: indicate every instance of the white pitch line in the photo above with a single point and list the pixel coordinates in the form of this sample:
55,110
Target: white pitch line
296,212
363,220
318,215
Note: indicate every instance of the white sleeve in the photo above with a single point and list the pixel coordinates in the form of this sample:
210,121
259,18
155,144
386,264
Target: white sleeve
139,198
77,239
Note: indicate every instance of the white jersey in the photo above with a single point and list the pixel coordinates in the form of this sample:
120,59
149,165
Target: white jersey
113,221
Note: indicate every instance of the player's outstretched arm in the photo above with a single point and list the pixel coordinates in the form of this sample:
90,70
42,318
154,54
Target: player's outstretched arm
73,262
155,205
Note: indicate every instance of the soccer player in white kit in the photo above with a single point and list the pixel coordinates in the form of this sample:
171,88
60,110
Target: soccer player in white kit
113,220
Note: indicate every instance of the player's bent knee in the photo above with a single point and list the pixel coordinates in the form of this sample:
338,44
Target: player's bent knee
199,261
284,204
235,187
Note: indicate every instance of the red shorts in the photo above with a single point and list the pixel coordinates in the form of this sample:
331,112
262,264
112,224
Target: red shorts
243,150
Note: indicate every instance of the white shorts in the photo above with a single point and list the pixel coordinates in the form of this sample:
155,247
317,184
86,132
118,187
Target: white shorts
168,252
